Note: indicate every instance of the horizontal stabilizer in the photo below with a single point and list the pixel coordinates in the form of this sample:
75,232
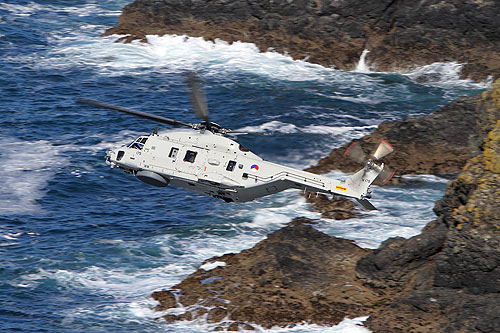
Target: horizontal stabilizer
365,203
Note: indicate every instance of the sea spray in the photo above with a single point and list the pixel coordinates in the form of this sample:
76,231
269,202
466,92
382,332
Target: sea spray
361,66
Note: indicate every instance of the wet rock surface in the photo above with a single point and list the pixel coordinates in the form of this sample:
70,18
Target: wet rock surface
450,273
446,279
337,208
399,33
296,274
440,143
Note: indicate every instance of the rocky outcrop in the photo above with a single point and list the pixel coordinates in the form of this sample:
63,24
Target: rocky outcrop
446,279
337,208
450,274
399,33
296,274
440,143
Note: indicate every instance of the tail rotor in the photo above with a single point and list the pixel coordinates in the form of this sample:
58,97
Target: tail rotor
356,153
383,149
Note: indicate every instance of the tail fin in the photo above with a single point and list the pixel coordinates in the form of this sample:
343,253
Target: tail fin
359,183
367,204
361,180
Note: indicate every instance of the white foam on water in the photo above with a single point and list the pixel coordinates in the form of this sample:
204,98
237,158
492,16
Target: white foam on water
108,141
211,265
175,53
445,75
402,212
9,236
27,167
355,325
426,178
271,126
353,132
286,128
270,213
122,283
347,325
20,10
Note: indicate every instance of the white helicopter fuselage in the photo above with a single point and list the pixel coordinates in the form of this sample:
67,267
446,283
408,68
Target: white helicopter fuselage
211,164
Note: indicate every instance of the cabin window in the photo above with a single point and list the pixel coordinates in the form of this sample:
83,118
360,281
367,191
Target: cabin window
173,152
190,156
230,165
138,143
120,154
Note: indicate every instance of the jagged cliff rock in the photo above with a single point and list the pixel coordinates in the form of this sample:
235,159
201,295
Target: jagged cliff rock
446,279
399,33
450,274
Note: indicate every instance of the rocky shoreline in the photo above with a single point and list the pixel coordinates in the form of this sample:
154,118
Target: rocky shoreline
439,143
446,279
400,34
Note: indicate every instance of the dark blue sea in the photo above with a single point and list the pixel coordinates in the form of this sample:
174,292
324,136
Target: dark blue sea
83,246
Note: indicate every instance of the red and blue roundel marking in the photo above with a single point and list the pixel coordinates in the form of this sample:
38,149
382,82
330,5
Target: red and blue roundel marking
255,166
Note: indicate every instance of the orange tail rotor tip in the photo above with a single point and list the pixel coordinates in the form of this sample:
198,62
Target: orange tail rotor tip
386,142
389,177
349,148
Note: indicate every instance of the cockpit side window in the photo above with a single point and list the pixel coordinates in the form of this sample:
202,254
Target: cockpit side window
190,156
138,143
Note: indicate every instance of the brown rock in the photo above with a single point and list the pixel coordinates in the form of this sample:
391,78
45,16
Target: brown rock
216,314
236,326
301,220
400,34
338,208
166,300
439,143
449,275
297,274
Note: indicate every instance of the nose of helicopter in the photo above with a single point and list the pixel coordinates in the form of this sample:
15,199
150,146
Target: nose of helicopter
110,158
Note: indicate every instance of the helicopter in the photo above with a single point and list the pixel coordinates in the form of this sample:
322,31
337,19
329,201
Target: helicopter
200,158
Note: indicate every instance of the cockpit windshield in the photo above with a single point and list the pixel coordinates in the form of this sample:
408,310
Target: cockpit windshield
138,143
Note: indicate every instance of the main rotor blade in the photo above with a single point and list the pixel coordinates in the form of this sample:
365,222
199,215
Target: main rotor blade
141,114
197,96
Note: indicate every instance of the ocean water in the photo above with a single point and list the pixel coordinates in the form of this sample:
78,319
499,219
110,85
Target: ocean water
83,246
